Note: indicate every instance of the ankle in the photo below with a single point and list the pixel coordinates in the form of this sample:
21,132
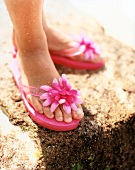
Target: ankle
31,43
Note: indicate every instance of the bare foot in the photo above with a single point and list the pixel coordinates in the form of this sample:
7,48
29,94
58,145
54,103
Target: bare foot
58,40
38,69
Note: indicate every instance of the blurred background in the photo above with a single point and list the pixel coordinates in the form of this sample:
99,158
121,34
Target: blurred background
116,16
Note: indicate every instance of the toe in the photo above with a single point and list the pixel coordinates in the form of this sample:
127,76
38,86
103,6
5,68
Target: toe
78,114
35,103
97,59
48,112
58,114
66,117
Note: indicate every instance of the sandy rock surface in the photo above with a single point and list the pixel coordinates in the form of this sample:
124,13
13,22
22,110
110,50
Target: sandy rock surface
104,138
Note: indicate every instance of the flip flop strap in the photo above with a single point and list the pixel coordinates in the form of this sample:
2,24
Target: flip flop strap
37,92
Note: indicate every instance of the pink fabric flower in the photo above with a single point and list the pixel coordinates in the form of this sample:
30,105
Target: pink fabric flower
89,48
61,93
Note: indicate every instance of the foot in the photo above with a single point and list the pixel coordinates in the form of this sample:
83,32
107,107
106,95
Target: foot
38,69
58,40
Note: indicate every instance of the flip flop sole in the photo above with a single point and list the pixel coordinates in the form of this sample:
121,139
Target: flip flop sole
78,65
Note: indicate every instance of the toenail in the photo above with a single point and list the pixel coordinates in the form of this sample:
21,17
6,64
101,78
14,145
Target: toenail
79,111
60,118
41,111
51,116
69,119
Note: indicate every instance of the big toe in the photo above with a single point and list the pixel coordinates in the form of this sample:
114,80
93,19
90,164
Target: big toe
35,103
48,112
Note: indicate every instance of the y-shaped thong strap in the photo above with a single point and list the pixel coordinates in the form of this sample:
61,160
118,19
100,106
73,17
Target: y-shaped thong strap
30,90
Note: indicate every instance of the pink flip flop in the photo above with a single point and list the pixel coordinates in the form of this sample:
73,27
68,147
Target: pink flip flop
81,46
60,93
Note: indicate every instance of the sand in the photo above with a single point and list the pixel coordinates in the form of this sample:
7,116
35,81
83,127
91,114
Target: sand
104,139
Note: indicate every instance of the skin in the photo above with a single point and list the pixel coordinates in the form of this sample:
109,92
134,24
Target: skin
33,37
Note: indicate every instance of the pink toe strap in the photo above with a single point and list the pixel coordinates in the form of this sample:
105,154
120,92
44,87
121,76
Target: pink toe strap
14,51
30,90
60,93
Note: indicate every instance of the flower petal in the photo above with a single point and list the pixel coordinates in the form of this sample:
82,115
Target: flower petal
55,81
73,106
57,97
56,86
71,99
78,101
48,102
54,106
54,92
86,55
67,108
46,88
92,46
64,80
82,48
61,101
44,96
69,86
91,55
73,92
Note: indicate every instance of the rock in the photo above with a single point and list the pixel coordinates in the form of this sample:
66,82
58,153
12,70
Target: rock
17,149
105,137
